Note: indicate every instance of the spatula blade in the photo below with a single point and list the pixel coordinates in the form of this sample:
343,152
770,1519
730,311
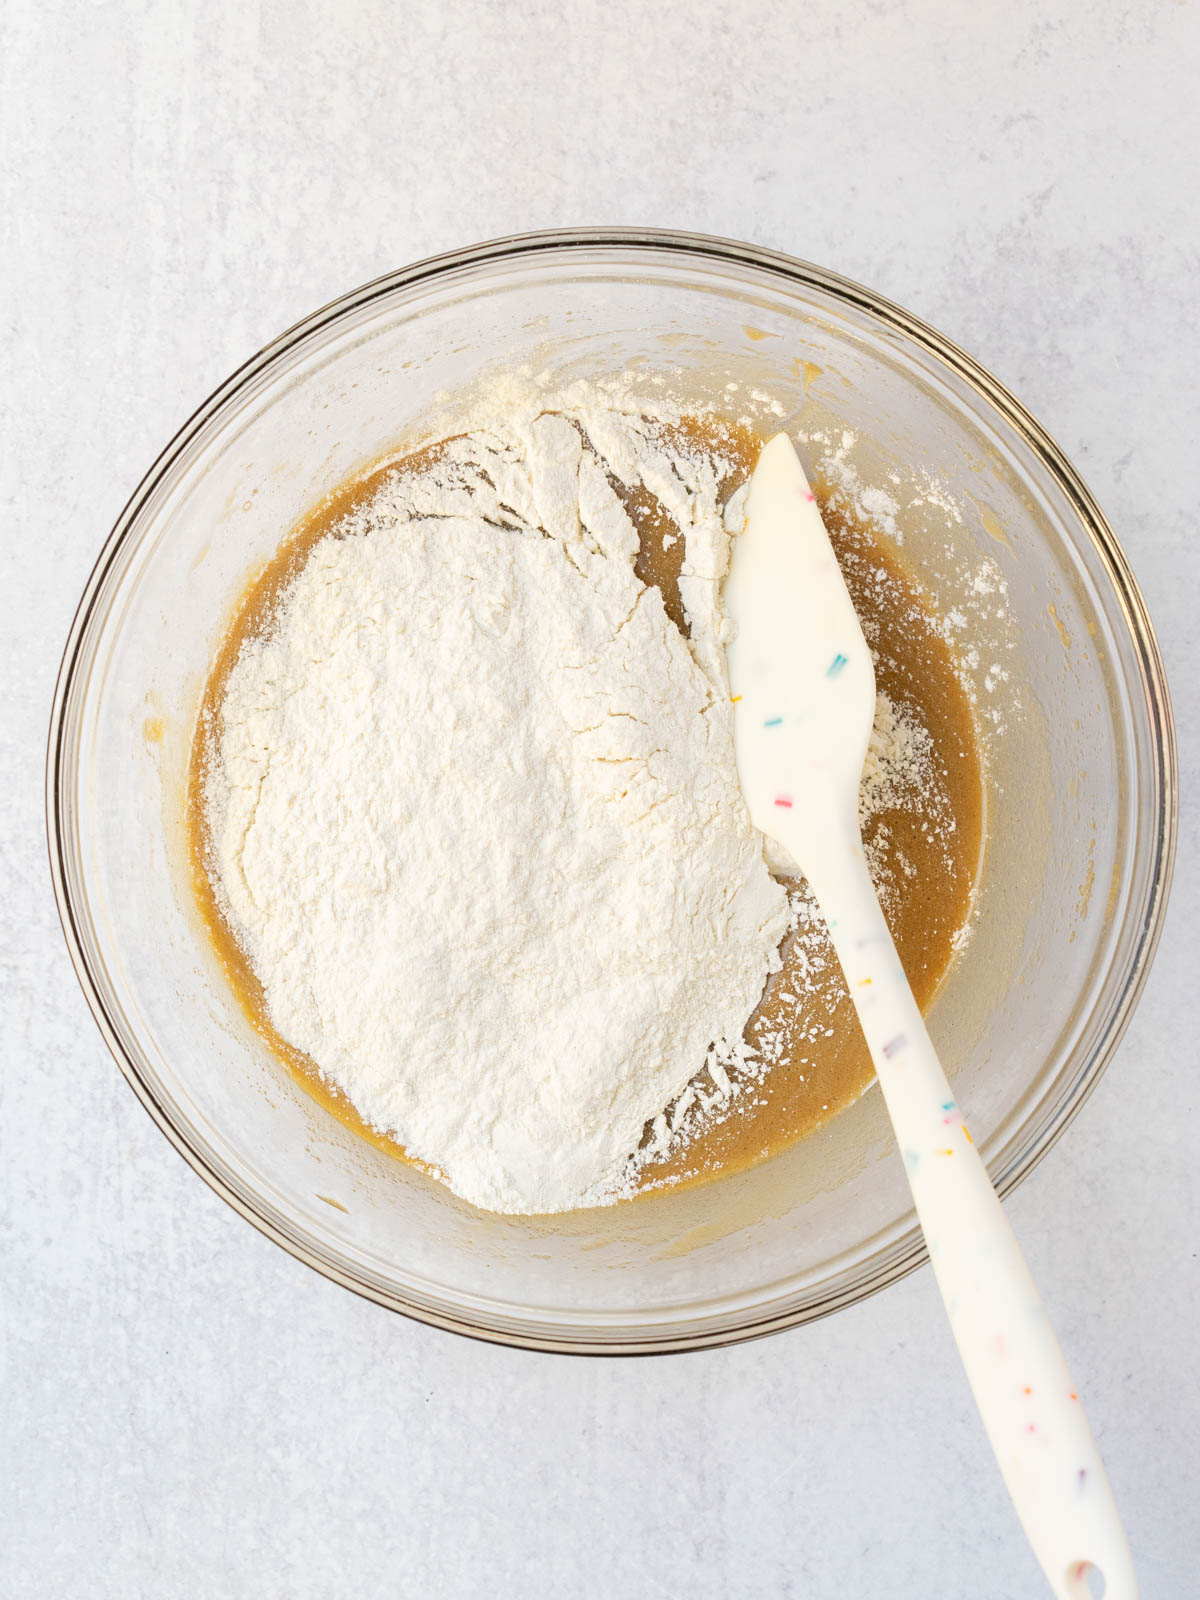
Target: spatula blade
800,670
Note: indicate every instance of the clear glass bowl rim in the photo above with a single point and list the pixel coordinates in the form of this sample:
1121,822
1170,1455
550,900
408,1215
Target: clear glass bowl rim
1093,525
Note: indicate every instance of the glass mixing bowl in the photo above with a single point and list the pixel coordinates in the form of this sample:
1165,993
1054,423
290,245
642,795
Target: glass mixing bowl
1080,785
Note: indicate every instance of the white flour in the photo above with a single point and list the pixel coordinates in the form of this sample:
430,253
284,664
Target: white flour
475,815
475,818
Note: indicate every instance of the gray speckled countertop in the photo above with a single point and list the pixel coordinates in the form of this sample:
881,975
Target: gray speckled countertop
186,1410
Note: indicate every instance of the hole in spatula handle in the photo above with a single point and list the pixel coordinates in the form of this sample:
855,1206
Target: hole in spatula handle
1085,1579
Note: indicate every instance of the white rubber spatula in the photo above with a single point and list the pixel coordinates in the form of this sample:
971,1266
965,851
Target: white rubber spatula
803,688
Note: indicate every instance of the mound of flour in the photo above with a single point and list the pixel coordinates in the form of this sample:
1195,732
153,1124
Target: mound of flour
474,815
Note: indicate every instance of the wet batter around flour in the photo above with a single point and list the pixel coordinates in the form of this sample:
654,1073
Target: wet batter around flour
805,1057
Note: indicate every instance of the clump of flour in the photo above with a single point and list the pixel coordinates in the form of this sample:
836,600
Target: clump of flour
474,814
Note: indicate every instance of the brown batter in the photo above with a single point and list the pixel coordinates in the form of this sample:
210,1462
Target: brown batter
926,869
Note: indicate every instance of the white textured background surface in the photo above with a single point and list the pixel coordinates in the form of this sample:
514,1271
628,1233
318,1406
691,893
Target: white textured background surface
186,1410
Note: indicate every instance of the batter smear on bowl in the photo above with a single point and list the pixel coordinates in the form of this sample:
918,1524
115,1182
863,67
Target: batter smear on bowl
467,828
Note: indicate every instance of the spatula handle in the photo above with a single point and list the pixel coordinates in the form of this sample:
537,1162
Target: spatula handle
1026,1396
